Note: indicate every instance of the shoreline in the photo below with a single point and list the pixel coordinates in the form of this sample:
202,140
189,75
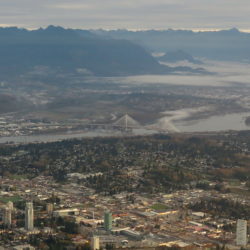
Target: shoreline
168,122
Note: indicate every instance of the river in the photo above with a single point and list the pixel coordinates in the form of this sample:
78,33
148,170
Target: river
176,123
72,135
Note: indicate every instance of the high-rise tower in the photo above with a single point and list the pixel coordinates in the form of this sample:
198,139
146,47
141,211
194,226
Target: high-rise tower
10,205
29,216
241,233
7,217
95,243
49,208
108,220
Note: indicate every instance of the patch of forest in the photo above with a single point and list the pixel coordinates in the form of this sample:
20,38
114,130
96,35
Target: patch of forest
158,163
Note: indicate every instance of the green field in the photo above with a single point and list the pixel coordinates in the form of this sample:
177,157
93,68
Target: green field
17,177
13,199
159,206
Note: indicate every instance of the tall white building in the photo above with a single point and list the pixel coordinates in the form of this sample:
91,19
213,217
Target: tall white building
50,208
10,205
95,243
7,217
241,233
29,216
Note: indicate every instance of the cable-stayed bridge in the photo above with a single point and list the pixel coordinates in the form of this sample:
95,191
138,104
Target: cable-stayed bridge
127,122
124,123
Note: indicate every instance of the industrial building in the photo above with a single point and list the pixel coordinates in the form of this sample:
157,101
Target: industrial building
66,212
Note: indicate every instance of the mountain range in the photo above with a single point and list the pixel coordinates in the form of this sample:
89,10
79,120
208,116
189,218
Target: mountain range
71,50
115,52
227,45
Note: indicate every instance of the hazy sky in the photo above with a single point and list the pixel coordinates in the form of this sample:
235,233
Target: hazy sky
131,14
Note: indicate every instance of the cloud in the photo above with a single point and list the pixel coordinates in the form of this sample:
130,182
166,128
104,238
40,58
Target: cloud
132,14
72,6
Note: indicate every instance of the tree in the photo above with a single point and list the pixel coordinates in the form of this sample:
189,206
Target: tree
86,246
109,246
